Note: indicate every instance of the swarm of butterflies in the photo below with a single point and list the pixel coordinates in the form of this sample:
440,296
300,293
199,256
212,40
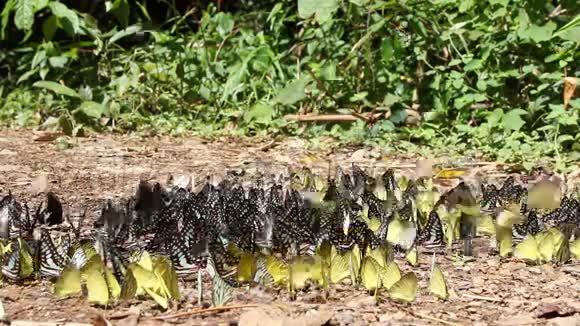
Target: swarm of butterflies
296,230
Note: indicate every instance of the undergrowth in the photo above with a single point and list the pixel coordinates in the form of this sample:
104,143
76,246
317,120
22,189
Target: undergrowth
474,77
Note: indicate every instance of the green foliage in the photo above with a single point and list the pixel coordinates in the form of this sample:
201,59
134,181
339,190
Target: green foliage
484,76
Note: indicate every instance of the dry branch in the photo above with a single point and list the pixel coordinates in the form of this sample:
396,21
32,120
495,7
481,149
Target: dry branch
330,117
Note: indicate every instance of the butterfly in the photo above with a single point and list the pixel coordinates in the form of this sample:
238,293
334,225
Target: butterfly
437,284
51,261
405,289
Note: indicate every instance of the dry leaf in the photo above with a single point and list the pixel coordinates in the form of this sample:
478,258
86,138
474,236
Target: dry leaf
570,84
47,136
39,184
424,168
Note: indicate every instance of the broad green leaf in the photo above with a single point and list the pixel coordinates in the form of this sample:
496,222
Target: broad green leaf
512,119
473,65
121,10
572,34
321,9
58,62
125,32
24,15
225,24
49,27
260,113
56,87
293,92
5,15
541,33
64,13
92,109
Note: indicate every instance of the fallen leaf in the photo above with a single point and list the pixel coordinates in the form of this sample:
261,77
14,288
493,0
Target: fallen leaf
554,309
39,184
570,84
47,136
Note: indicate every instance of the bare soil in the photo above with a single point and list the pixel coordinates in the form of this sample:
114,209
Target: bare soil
485,291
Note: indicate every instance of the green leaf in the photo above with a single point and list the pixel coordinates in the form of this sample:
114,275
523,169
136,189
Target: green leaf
5,15
121,10
92,109
572,34
65,124
293,92
390,99
58,62
542,33
56,87
49,27
321,9
512,120
387,50
64,13
225,24
24,15
261,113
125,32
474,64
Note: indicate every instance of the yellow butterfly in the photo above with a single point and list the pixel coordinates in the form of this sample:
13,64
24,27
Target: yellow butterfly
405,289
504,239
379,254
339,268
278,270
412,256
26,261
575,249
437,284
390,275
373,223
246,267
68,283
101,285
370,274
528,250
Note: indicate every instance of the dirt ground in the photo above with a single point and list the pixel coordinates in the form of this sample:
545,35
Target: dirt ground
484,291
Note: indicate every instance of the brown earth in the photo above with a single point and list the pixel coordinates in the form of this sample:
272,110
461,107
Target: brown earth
484,291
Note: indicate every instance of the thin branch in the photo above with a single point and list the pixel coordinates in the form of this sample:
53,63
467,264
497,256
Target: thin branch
329,117
203,311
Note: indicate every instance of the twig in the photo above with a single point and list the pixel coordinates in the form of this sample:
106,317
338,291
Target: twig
327,117
203,311
445,322
492,299
267,146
